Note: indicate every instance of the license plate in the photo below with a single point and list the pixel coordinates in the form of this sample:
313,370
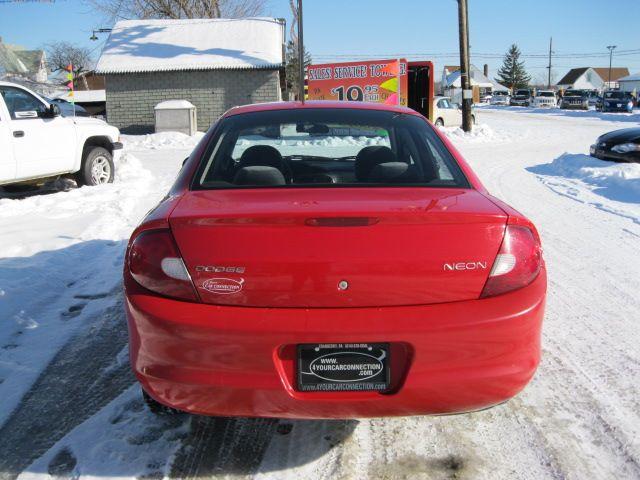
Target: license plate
618,105
330,367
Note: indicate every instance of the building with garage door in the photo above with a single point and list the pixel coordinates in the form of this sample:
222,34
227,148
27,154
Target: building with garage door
215,64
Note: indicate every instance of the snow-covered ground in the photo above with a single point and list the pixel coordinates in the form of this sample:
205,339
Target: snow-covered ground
67,407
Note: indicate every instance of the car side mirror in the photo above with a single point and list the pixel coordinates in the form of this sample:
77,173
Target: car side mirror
51,112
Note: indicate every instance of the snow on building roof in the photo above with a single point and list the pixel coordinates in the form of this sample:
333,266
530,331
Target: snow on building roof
193,44
477,79
630,78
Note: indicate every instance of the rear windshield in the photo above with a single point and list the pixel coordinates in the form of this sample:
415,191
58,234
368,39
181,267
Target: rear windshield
614,95
326,148
500,93
522,92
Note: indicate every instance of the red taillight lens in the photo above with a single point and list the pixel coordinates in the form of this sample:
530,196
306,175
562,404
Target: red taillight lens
155,263
517,264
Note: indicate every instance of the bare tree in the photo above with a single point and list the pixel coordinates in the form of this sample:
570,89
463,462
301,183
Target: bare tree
175,9
61,54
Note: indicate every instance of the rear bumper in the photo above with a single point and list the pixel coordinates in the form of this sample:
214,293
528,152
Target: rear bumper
236,361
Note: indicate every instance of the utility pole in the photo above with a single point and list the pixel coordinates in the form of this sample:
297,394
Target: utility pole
300,54
549,67
611,49
467,93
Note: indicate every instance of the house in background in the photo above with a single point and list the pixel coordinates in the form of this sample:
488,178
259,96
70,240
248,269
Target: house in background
215,64
30,64
481,84
592,78
630,83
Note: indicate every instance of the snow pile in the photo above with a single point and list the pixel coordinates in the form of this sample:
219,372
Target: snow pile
481,133
161,140
613,187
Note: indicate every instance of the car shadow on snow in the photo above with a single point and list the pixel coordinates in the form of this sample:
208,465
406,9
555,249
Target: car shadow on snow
83,415
614,181
18,192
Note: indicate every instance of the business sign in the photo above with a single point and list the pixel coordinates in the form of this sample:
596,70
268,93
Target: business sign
378,81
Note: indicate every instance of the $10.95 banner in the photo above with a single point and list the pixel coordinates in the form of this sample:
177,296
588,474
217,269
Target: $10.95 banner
378,81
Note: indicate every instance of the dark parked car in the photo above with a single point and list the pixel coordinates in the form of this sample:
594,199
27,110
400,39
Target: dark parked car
66,108
618,146
575,99
522,98
617,101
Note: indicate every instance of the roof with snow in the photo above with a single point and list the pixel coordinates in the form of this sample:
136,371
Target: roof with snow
603,72
630,78
193,44
477,79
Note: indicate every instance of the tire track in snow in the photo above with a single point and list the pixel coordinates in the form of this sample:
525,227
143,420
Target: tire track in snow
86,374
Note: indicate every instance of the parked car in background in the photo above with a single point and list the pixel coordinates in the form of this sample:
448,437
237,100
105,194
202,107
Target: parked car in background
68,109
618,146
423,294
617,101
575,99
594,98
500,97
448,114
37,143
545,98
522,98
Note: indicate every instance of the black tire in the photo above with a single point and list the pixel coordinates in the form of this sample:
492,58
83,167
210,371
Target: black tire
97,167
439,122
157,408
473,119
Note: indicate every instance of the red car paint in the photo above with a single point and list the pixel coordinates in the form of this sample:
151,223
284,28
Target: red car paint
451,349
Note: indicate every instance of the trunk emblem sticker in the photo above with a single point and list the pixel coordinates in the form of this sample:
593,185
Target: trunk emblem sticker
343,285
223,286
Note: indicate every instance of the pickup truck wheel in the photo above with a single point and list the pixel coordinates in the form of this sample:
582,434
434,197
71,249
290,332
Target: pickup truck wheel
440,122
97,167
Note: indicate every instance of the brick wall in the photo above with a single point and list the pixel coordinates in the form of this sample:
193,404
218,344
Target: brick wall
132,96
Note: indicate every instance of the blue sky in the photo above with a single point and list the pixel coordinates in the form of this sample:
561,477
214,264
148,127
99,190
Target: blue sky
377,28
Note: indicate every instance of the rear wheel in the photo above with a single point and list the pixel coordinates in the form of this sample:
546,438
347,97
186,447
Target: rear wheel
97,167
473,119
157,408
439,122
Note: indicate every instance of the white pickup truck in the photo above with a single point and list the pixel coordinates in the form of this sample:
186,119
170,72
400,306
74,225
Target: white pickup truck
37,143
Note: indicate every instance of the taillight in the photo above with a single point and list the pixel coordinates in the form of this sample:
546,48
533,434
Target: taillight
517,264
155,263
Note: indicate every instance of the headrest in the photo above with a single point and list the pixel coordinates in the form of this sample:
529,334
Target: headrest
369,157
259,175
393,172
264,155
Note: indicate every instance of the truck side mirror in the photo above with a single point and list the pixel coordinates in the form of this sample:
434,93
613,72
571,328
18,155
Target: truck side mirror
51,112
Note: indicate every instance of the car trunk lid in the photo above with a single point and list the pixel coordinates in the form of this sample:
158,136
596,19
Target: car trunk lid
337,247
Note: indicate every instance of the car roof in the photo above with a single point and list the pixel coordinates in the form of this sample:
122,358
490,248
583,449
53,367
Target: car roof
313,104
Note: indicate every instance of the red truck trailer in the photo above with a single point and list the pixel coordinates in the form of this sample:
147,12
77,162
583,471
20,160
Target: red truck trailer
387,81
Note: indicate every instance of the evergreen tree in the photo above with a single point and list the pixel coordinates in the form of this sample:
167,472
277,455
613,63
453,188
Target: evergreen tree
512,73
291,66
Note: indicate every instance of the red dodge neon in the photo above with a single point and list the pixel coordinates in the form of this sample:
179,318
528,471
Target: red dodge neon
331,260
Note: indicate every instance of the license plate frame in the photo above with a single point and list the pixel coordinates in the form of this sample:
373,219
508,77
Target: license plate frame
343,367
